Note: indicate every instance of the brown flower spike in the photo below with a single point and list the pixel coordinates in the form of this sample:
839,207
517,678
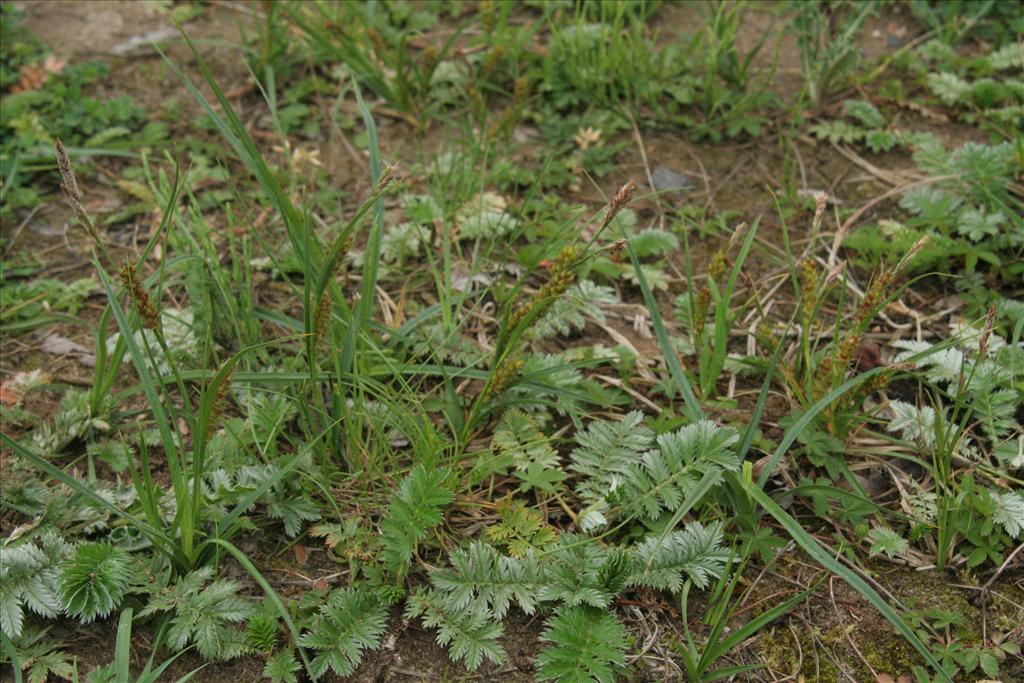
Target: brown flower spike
147,310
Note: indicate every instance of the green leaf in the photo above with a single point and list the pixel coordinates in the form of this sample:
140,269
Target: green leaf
606,450
695,554
837,131
864,112
538,477
693,409
262,632
975,224
1009,511
948,87
350,622
885,540
268,591
666,476
282,667
573,573
204,613
880,140
519,437
29,578
654,242
93,582
470,633
521,529
586,645
484,575
57,663
415,509
11,614
293,510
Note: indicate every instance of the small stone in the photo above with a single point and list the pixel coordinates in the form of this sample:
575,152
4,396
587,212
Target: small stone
667,180
61,346
46,229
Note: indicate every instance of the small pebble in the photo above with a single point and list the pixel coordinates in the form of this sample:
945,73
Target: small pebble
667,180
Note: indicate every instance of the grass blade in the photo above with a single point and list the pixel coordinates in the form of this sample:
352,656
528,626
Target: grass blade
824,557
693,409
123,646
371,270
12,654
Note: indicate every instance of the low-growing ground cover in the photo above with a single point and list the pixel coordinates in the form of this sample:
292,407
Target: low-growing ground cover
583,341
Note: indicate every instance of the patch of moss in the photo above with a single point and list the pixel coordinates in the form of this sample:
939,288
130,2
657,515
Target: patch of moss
931,590
880,647
885,652
777,648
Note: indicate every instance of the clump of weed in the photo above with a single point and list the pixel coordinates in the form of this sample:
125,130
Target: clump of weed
51,101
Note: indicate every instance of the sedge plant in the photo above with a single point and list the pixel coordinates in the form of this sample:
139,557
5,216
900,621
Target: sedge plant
743,482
